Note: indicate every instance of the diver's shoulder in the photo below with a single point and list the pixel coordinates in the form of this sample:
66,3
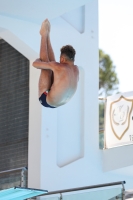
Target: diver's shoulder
56,65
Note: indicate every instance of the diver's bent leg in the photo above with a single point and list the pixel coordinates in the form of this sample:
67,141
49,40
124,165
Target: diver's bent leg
45,76
43,46
50,50
51,55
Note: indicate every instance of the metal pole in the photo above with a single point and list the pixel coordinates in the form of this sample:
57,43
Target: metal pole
12,170
123,191
22,169
22,183
86,188
61,196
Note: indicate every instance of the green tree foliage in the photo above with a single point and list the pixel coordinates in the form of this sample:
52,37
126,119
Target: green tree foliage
101,115
108,84
108,80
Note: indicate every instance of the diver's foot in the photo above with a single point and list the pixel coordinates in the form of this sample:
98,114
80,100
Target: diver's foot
45,28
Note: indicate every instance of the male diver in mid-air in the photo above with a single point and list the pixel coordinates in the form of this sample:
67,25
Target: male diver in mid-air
58,80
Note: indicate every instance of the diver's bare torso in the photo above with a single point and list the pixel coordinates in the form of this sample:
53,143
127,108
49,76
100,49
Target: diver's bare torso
65,79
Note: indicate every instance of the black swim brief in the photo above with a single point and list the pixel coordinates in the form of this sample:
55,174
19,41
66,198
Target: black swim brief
42,100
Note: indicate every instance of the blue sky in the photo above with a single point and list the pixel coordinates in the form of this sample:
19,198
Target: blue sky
116,37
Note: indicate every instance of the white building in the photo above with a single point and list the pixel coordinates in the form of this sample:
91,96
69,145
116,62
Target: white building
63,149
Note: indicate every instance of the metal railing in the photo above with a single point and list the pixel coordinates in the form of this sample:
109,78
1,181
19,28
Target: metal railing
22,170
87,188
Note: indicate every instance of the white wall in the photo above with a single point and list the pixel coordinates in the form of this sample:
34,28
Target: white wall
64,142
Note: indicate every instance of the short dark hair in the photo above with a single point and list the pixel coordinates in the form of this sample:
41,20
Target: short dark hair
69,51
